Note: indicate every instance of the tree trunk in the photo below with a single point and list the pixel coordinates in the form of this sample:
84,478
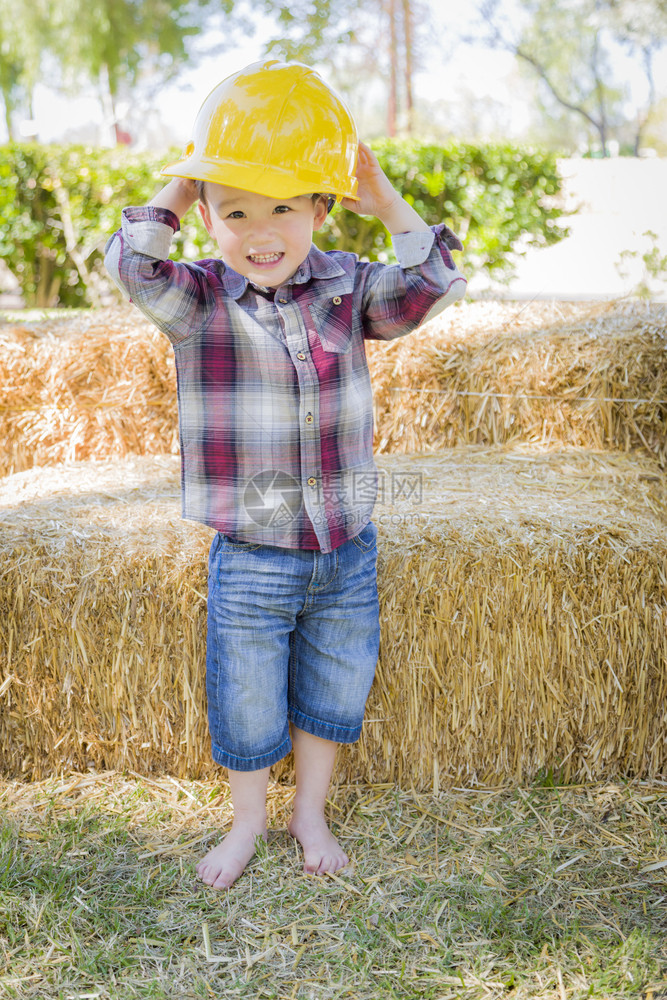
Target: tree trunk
48,285
644,116
71,244
409,66
107,100
392,104
602,109
9,108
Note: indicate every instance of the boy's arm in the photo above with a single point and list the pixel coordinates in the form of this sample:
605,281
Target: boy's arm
178,196
378,197
177,297
399,298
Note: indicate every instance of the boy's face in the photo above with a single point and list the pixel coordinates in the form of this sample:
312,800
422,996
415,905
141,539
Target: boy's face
264,239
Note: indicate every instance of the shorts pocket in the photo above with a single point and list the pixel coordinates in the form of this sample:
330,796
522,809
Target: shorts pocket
366,538
236,544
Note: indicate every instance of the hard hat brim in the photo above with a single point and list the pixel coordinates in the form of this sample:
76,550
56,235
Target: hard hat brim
272,183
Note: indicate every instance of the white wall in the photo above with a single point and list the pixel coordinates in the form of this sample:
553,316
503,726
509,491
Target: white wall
616,202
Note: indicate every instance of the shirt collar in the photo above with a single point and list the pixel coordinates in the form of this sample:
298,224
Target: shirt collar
317,265
233,282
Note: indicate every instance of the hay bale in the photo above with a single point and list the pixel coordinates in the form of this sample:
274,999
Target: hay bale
101,384
90,385
552,374
524,608
523,602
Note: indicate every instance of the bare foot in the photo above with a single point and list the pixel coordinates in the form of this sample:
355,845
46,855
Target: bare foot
221,867
321,851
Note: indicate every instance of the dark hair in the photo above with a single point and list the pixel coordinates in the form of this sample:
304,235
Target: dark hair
328,198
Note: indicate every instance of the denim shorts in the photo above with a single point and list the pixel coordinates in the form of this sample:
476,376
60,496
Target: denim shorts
293,636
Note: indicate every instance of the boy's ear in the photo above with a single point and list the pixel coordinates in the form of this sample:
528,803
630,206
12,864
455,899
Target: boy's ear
206,216
321,212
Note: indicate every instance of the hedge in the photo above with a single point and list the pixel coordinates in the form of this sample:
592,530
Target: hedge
58,206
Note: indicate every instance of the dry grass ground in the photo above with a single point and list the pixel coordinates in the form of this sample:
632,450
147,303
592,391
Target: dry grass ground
527,893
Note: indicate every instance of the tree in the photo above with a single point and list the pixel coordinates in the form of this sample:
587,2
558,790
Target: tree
11,66
115,40
107,42
401,61
355,39
641,27
569,45
20,52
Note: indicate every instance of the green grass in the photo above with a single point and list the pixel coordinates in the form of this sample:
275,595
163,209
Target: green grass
543,892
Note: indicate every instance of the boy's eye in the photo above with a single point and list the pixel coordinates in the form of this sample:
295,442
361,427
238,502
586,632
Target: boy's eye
238,214
281,209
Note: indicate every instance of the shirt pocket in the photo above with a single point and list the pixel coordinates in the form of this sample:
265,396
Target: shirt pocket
335,323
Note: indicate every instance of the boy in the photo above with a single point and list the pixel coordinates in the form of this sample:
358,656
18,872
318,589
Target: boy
275,421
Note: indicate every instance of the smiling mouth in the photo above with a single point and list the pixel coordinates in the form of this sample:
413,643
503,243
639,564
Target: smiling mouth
265,258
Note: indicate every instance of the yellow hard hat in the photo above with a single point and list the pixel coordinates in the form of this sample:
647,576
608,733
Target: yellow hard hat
275,129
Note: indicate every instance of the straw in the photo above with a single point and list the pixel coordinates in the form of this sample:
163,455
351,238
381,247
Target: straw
102,384
522,604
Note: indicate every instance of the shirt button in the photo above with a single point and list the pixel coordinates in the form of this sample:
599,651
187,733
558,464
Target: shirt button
282,301
301,356
336,300
312,481
309,418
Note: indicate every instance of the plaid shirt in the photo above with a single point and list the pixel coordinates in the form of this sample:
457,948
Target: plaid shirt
274,391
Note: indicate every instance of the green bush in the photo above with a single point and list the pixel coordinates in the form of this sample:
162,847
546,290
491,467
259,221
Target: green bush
498,198
59,205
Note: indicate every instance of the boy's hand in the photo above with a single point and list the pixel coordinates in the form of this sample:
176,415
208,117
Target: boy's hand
374,190
178,195
377,196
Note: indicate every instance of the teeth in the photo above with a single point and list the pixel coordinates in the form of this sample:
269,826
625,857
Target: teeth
264,258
